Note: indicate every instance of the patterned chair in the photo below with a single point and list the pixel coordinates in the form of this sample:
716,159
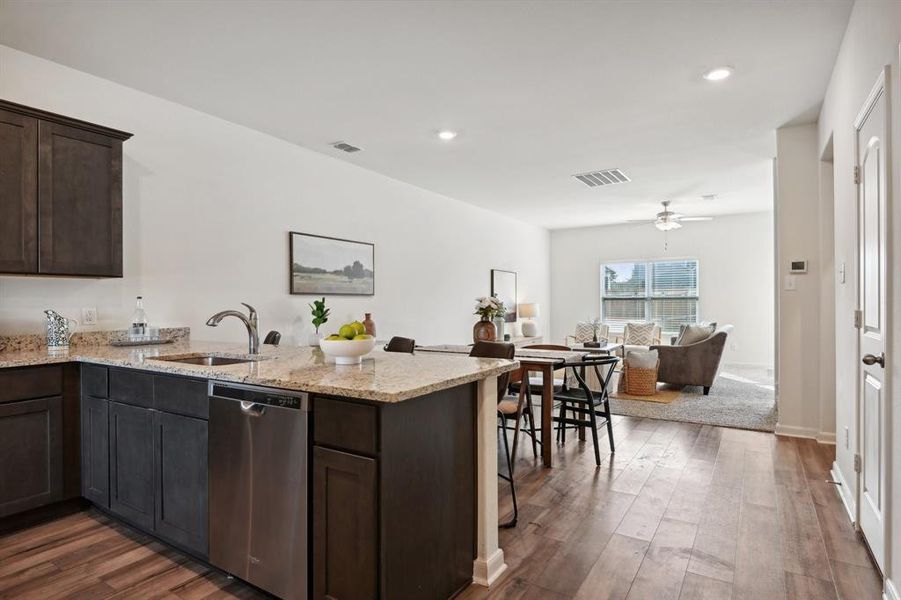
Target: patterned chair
585,333
639,336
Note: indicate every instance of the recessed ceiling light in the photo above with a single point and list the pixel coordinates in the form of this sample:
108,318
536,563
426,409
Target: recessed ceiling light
718,74
447,135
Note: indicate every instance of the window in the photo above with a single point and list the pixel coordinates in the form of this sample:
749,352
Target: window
661,291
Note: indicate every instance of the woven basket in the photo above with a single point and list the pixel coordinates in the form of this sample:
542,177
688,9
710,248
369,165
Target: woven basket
640,382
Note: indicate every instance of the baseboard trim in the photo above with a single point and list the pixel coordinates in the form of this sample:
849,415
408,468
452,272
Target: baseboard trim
890,592
825,437
844,492
485,572
798,432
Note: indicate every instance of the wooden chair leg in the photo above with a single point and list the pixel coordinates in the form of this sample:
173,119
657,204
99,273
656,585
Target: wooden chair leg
609,424
592,415
531,410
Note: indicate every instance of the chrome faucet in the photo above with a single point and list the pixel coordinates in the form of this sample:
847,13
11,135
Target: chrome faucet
251,321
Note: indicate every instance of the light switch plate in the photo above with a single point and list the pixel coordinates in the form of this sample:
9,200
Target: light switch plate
842,274
89,316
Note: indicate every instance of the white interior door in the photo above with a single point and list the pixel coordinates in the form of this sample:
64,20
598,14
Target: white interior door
873,419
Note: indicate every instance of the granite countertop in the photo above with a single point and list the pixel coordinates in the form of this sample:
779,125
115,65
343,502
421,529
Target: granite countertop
383,376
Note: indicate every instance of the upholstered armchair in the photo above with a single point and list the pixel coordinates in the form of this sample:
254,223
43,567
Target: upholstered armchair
585,333
693,364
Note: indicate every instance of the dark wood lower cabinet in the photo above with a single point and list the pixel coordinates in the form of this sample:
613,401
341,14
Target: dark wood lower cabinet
31,473
345,526
95,450
180,480
131,463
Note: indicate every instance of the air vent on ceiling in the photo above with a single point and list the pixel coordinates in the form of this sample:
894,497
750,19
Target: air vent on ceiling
605,177
345,147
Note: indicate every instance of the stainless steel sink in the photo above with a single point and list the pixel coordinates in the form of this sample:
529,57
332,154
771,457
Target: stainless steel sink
208,360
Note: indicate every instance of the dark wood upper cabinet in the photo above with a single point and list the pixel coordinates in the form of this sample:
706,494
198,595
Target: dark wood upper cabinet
60,195
18,193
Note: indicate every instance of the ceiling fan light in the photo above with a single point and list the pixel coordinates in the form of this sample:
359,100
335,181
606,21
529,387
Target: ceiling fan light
667,225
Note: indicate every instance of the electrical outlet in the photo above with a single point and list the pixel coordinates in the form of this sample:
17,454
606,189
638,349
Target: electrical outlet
789,283
89,316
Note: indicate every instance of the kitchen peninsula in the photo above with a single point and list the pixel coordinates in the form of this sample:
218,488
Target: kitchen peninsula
402,482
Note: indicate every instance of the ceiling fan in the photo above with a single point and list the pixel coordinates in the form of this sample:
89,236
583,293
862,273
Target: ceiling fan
667,220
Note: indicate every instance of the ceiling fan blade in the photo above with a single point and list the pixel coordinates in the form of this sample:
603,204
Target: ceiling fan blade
696,219
641,220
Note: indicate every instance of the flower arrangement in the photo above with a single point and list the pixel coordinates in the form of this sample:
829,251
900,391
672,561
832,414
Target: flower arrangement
489,307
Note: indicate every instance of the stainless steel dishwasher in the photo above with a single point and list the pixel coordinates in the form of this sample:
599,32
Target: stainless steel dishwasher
258,486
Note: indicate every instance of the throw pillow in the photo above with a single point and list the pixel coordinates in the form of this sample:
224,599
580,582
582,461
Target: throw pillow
692,334
640,334
584,332
641,359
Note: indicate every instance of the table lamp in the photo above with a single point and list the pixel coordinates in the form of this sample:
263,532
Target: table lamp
529,311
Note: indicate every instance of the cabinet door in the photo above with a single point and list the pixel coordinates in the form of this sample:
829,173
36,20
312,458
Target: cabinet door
95,448
345,526
31,456
131,463
18,193
80,191
180,480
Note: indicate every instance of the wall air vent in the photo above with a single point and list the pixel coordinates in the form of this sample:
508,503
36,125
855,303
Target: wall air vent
345,147
605,177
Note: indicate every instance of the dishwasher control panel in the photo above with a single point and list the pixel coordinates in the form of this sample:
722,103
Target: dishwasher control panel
258,395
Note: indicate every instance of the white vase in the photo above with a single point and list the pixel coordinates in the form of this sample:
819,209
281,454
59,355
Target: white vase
499,325
313,339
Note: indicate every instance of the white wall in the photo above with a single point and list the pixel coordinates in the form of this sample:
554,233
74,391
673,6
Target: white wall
736,274
207,208
870,42
804,335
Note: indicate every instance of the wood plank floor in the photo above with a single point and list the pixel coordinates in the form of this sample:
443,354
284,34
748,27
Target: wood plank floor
680,511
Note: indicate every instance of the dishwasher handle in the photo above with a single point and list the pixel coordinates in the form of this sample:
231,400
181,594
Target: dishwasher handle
253,409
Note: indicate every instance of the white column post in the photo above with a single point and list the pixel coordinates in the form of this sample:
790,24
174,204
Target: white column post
489,563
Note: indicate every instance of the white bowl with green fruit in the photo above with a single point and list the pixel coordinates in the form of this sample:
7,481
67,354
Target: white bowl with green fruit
349,345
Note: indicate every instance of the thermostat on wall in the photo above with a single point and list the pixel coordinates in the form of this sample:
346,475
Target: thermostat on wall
798,266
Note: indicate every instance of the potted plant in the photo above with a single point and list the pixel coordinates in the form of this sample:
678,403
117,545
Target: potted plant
487,307
595,330
320,316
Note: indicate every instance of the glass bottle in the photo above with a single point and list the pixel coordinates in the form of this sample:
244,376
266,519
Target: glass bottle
139,319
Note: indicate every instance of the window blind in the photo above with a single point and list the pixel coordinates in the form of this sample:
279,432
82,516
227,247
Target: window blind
661,291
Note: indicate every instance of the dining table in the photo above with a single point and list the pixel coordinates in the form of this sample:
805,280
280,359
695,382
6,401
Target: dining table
534,360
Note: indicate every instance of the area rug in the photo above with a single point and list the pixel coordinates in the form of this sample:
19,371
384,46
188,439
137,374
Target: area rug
733,402
665,394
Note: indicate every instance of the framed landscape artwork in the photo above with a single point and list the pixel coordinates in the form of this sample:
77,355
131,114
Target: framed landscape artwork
331,266
503,285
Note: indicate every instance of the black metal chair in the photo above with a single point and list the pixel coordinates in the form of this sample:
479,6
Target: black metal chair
400,344
501,350
273,338
586,405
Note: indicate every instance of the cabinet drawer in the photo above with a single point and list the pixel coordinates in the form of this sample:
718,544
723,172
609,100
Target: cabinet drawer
182,396
94,381
346,425
30,382
131,387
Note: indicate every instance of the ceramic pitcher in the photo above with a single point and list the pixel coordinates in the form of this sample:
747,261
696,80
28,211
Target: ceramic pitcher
59,331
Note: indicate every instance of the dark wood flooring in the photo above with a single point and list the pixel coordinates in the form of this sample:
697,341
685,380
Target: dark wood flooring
680,511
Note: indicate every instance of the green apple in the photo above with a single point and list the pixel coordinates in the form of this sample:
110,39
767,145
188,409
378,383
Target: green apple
334,338
363,336
347,332
358,327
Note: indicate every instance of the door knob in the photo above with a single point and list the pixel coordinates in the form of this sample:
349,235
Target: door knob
870,360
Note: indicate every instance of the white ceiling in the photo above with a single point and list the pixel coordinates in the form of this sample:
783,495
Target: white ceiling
538,90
